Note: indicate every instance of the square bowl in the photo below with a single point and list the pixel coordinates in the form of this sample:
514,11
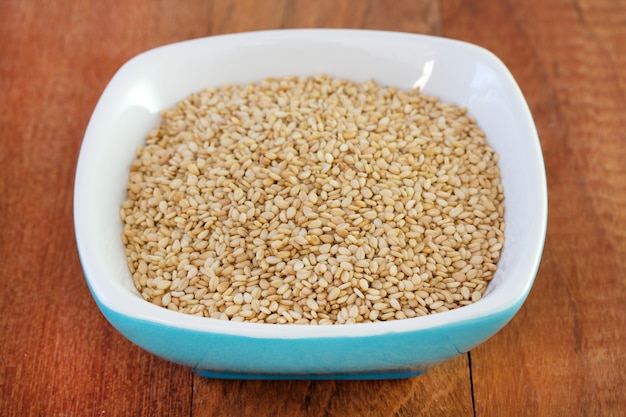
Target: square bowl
454,71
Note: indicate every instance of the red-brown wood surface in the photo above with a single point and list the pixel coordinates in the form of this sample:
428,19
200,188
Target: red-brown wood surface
563,354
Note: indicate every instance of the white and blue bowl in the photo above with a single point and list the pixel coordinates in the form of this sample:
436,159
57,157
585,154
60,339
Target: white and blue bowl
454,71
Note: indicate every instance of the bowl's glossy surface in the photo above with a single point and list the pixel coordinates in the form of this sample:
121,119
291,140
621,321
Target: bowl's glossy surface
454,71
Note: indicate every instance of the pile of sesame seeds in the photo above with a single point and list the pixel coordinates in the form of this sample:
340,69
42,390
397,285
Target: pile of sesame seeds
313,201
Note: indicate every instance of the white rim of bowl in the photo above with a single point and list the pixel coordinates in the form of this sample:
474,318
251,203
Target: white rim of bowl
121,301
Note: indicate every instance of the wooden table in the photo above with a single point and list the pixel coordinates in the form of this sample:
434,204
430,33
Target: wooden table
564,354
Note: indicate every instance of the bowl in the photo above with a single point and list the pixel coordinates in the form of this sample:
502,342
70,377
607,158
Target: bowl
454,71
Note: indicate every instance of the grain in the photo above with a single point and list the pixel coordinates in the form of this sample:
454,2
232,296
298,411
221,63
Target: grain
313,200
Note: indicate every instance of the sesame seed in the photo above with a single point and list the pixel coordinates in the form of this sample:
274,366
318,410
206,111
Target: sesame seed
262,212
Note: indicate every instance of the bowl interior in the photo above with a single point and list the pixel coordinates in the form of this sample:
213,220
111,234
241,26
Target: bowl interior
454,71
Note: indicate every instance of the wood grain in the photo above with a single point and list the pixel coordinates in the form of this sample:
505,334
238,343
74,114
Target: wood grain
400,15
405,397
564,354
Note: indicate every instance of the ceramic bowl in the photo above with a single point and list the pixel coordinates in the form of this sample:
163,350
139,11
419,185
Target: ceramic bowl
454,71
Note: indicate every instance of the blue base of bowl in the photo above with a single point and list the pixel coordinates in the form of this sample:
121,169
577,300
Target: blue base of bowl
401,374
